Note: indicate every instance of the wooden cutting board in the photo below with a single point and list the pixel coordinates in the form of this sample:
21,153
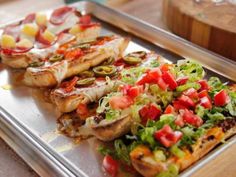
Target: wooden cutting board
205,22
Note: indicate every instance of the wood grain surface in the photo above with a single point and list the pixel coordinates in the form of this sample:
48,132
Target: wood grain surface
148,10
204,22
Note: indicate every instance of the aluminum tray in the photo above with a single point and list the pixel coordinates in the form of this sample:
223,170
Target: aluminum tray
28,121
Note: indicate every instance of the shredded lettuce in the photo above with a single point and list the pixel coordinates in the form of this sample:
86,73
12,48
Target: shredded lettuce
231,106
189,68
165,97
131,75
122,151
112,114
188,85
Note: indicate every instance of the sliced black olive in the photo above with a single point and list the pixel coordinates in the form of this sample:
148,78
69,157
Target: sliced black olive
107,70
86,82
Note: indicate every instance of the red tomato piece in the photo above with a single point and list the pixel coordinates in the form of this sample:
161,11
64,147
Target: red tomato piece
178,105
154,73
206,102
151,112
167,136
60,15
110,165
82,110
182,80
144,79
221,98
190,118
120,102
191,93
68,86
169,110
179,121
165,67
204,85
135,91
170,80
125,88
85,19
186,101
161,84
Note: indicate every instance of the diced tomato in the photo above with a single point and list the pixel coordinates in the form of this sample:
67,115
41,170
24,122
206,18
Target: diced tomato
165,67
144,79
190,118
191,93
221,98
170,80
182,80
151,76
167,136
206,102
169,110
125,88
186,101
120,102
204,85
203,93
73,54
162,84
178,105
135,91
155,73
151,112
179,121
68,86
110,165
82,110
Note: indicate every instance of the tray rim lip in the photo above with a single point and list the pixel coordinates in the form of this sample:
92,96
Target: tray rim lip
209,155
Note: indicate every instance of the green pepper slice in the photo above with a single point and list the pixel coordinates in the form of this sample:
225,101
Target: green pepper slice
36,64
132,60
107,70
86,82
138,54
86,74
56,57
109,61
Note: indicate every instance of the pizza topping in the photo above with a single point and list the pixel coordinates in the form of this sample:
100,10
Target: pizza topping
29,18
190,118
82,110
86,74
12,30
182,80
132,60
86,82
107,70
41,19
8,41
60,15
167,136
68,86
151,112
110,165
24,44
120,102
30,29
170,80
56,57
221,98
73,53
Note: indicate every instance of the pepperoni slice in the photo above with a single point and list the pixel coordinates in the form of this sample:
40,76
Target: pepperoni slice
60,15
13,30
15,51
29,18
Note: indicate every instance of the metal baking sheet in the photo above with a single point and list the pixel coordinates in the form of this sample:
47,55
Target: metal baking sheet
28,121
